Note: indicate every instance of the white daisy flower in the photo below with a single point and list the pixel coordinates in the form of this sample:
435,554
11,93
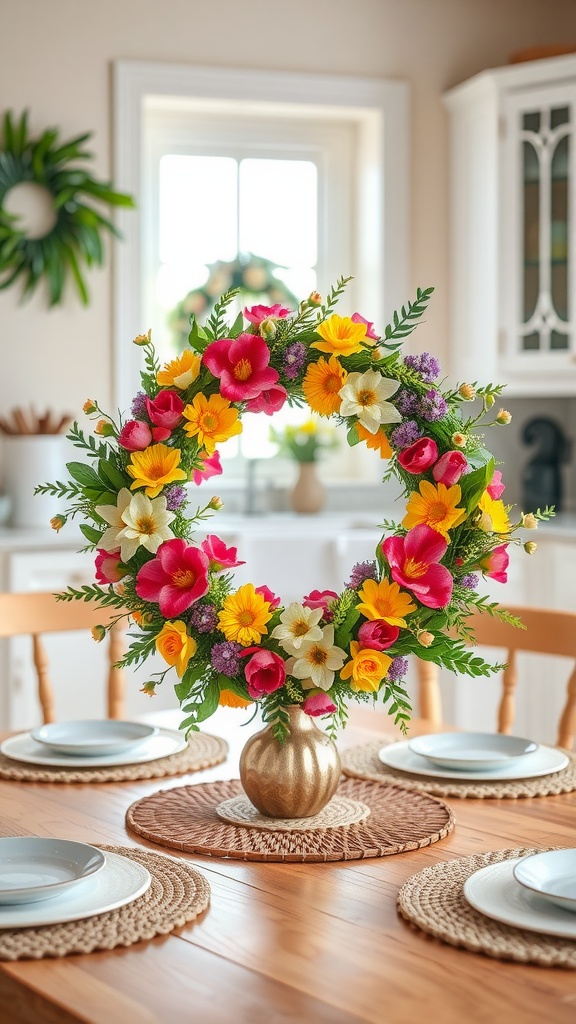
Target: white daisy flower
146,525
318,661
297,626
364,395
112,514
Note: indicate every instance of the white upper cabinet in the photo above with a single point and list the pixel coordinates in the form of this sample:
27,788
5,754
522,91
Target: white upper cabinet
513,227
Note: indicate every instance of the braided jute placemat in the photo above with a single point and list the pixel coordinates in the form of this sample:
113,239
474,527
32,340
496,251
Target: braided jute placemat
203,751
363,763
177,895
433,900
185,819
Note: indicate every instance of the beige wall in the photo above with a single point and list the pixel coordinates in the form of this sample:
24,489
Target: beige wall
56,58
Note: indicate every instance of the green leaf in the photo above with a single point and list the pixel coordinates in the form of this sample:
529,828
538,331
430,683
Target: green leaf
110,475
474,484
94,536
84,474
352,436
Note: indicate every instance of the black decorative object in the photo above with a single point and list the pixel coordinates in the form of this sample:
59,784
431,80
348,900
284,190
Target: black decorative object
541,476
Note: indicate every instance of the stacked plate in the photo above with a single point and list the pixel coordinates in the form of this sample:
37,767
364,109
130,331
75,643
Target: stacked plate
473,756
93,743
49,881
537,893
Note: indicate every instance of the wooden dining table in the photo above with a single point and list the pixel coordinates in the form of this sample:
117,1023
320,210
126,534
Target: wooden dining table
284,942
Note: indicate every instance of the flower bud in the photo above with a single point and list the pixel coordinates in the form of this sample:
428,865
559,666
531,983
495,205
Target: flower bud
216,503
57,522
268,329
149,688
315,299
104,429
459,440
425,638
488,401
144,339
485,523
467,392
529,522
503,417
530,547
89,406
98,633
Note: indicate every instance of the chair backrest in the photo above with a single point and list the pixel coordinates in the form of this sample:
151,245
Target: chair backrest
37,613
547,632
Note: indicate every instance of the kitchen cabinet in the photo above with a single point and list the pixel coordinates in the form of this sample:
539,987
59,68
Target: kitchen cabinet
513,227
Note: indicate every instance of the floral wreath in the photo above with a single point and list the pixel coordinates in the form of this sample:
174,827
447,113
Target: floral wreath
243,646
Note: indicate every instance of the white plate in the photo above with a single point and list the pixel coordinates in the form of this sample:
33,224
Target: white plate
93,737
23,748
33,869
120,881
543,761
495,892
551,875
471,751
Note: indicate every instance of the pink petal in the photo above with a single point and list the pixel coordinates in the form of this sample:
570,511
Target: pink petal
424,544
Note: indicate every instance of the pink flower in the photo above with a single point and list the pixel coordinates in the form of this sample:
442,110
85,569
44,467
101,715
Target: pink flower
496,488
108,566
413,561
242,367
449,468
165,410
321,599
256,314
210,467
495,564
161,433
377,635
135,436
269,401
220,556
265,672
419,456
370,332
175,578
267,594
318,703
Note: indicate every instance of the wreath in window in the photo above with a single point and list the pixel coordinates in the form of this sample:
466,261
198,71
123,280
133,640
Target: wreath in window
73,241
241,646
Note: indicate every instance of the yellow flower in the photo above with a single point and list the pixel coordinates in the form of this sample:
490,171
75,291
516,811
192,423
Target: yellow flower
386,601
367,668
229,699
435,505
211,420
321,385
378,441
340,336
180,372
244,616
497,520
154,467
175,646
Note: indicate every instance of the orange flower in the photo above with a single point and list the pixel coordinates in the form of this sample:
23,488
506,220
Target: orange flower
211,420
435,506
321,385
180,372
367,668
379,442
340,336
386,601
229,699
175,646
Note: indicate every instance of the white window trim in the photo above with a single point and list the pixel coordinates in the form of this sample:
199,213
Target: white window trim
381,109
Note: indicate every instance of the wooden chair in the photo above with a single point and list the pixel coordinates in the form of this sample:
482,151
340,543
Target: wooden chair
547,632
37,613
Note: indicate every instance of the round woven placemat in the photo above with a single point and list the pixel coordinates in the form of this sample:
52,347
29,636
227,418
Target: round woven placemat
363,763
434,901
178,894
185,819
202,751
340,811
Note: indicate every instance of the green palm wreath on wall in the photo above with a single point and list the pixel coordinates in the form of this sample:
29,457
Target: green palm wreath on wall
74,240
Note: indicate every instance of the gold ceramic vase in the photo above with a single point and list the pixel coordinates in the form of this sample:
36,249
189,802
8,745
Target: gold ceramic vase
294,779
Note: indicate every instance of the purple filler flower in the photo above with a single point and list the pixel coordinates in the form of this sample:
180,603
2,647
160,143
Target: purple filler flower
225,658
175,497
425,364
405,434
398,669
433,406
360,572
138,407
406,402
204,618
293,359
470,581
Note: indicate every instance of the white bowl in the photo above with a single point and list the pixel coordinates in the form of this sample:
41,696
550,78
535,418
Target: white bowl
93,736
34,869
471,751
551,874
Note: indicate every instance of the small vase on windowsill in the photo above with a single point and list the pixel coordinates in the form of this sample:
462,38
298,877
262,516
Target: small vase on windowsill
308,495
